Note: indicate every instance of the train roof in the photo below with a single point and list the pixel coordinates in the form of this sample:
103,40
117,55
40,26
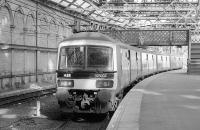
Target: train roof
103,37
94,36
90,36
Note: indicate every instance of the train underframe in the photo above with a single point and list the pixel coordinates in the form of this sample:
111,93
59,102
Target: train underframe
87,101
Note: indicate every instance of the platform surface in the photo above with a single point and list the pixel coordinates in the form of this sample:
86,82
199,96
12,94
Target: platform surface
166,101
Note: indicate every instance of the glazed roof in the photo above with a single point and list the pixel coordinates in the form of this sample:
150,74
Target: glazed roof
137,13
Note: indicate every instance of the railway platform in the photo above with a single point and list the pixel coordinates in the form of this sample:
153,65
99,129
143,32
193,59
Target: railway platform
166,101
31,90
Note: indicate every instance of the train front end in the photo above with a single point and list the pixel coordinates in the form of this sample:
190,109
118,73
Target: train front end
86,76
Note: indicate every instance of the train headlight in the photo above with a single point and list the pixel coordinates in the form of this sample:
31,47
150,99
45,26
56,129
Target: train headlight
65,83
104,83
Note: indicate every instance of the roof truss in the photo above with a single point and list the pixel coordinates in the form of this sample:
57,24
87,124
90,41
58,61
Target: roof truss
138,13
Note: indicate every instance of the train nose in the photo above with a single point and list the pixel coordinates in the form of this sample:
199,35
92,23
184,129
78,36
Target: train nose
104,96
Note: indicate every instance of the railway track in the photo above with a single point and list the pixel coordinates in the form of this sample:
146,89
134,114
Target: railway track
49,118
26,95
85,123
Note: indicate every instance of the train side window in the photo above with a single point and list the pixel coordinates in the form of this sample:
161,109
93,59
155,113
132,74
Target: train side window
128,54
136,56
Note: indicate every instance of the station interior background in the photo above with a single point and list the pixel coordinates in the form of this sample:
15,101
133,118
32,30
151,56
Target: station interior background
29,35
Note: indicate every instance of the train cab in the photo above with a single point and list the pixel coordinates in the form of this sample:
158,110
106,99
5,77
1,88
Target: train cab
87,74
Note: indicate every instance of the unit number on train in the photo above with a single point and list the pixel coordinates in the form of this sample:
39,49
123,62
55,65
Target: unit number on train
67,75
100,75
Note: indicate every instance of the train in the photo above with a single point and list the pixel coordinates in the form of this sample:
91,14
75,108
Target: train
94,71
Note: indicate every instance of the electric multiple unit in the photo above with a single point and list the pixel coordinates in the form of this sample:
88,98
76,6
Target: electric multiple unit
94,70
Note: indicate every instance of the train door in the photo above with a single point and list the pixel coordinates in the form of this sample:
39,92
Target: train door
156,60
133,61
159,64
168,63
148,67
125,62
150,59
137,64
162,64
170,58
139,61
144,64
154,63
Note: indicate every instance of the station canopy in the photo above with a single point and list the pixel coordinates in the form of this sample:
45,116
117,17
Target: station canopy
151,37
138,13
169,15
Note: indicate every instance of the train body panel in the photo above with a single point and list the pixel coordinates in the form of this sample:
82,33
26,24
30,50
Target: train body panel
125,67
154,63
139,62
93,71
160,62
134,65
145,65
151,63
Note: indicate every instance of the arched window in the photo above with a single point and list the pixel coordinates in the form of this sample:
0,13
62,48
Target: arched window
5,35
30,37
5,38
43,31
18,57
30,40
53,29
18,32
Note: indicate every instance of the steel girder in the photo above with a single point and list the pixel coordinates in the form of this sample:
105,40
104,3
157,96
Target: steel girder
151,37
171,13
